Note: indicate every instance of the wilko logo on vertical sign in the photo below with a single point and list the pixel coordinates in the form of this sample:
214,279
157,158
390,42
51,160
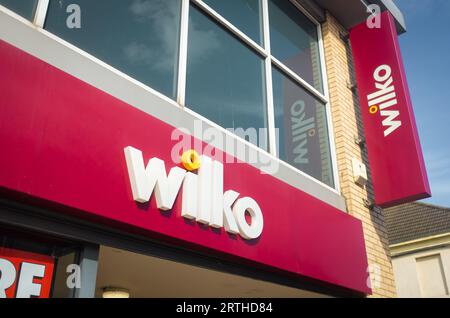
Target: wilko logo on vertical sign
395,155
24,274
386,98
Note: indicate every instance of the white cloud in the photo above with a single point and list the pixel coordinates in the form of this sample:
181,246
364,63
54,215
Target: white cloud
138,53
161,15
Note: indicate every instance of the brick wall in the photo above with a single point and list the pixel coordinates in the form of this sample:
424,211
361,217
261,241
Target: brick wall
347,124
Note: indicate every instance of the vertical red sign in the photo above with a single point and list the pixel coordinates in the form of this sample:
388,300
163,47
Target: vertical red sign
395,155
24,274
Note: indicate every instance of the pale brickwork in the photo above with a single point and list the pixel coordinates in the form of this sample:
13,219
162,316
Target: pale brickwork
347,123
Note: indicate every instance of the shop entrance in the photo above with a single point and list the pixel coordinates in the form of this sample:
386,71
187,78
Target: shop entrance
122,273
91,260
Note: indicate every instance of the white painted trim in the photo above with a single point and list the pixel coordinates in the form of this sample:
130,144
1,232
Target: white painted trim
421,240
41,13
273,147
183,52
308,87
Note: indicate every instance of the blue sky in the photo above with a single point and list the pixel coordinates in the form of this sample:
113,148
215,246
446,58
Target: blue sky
426,54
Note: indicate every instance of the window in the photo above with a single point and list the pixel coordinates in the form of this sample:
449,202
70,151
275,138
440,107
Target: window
294,41
137,37
24,8
302,126
215,60
431,276
244,14
243,64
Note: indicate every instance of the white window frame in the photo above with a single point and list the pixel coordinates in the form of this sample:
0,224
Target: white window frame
41,13
270,60
265,52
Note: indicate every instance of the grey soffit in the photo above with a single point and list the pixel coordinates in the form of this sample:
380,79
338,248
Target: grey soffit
352,12
412,221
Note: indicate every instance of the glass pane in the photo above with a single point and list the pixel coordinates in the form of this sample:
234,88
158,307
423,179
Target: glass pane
140,38
303,132
225,78
24,8
294,41
60,288
243,14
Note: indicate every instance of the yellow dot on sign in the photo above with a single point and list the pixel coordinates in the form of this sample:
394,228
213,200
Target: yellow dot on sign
191,160
373,110
312,132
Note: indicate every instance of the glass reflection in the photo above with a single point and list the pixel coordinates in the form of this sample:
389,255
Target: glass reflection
294,41
24,8
243,14
138,37
303,130
225,79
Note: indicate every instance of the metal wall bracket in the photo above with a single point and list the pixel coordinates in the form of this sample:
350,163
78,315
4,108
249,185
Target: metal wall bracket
369,204
361,142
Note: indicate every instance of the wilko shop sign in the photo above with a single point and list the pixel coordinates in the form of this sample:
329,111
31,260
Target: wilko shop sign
395,155
60,151
25,275
203,196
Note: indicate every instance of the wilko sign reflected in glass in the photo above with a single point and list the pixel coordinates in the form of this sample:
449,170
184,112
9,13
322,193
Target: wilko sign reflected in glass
304,141
24,274
395,155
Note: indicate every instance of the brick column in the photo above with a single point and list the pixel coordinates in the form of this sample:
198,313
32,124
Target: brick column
348,125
